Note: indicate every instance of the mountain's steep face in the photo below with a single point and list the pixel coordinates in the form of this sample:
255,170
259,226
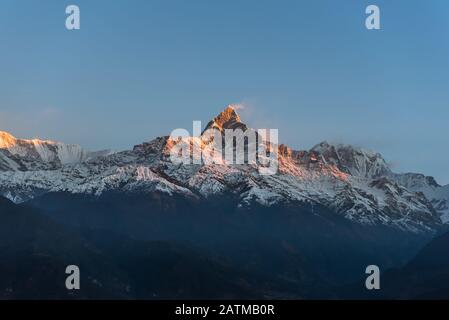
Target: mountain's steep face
351,182
24,155
227,119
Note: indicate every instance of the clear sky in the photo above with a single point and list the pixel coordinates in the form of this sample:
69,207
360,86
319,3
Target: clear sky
138,69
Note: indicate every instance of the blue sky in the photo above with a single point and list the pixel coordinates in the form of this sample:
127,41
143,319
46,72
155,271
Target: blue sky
139,69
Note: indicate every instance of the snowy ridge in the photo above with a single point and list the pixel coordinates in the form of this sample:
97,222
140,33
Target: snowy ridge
438,195
352,182
21,154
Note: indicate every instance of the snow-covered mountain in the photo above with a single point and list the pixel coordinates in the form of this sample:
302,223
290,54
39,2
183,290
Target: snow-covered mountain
352,182
25,155
438,195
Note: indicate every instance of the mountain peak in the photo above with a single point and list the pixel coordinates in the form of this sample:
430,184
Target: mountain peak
227,119
229,113
6,140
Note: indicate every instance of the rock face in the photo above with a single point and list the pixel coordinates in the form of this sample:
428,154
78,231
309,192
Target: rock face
227,119
352,182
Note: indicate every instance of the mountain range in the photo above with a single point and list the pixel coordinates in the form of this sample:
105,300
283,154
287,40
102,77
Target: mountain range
140,226
351,182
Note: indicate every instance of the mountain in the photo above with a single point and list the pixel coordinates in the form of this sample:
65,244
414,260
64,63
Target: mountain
29,155
142,226
36,250
309,246
227,119
353,161
437,194
350,182
424,276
